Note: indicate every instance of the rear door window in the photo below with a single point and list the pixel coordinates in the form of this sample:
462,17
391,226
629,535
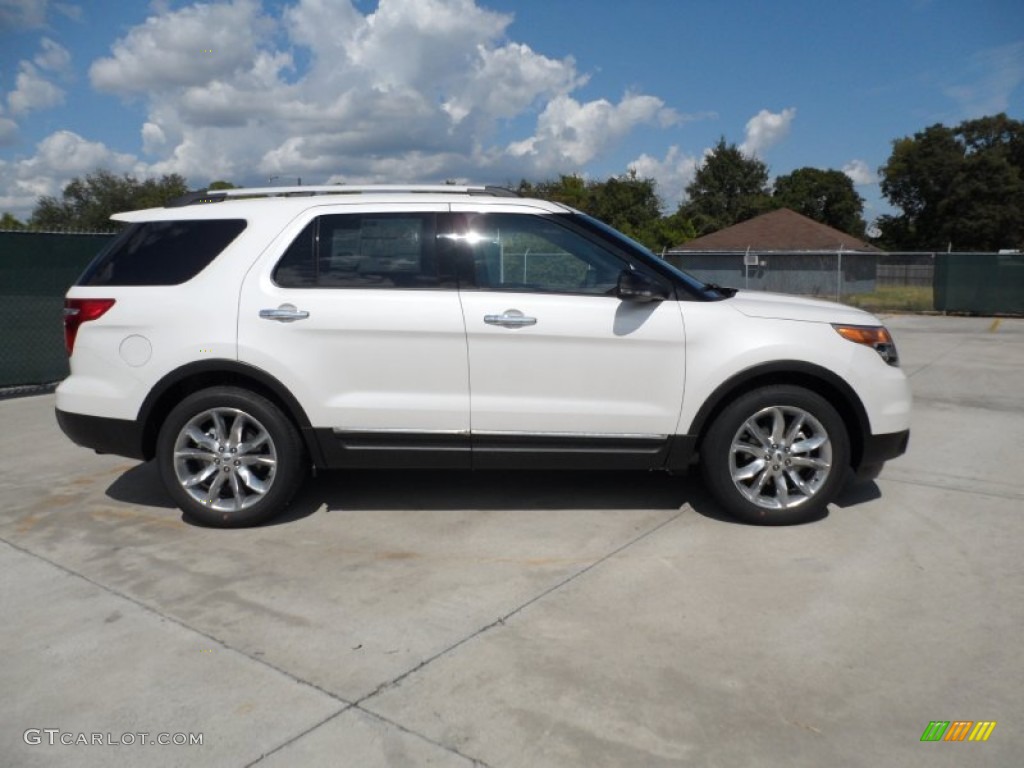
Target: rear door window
365,250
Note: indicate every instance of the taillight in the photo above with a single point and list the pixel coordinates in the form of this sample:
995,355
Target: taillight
78,311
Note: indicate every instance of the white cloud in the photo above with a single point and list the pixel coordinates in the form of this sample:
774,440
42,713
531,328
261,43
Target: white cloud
672,174
571,134
766,129
153,138
8,130
32,91
14,198
417,90
70,10
19,14
508,80
995,75
423,44
197,45
67,154
324,26
860,174
53,56
58,158
22,13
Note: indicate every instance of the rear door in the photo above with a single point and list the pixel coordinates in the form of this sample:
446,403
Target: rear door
352,312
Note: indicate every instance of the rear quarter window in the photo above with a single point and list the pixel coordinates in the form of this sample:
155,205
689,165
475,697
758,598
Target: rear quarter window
161,252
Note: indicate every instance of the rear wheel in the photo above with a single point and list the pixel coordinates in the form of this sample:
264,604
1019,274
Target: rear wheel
776,456
229,457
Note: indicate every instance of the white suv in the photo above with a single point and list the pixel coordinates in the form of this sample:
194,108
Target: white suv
242,337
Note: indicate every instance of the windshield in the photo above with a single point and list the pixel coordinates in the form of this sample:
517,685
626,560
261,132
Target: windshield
706,290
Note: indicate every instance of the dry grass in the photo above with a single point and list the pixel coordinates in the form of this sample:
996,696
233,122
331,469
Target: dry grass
908,298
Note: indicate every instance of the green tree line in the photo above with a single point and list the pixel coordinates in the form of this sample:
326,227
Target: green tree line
958,188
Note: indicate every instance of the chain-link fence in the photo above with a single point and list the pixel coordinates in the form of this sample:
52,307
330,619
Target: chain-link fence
36,269
810,273
988,283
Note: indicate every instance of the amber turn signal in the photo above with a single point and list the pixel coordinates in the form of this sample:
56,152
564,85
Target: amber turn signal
875,336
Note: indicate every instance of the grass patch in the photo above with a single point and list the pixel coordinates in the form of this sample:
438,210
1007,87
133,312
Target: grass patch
909,298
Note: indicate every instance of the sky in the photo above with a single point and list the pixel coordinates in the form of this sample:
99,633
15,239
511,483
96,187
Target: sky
264,92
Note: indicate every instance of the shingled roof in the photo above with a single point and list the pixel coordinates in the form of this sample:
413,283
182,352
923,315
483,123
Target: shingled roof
781,230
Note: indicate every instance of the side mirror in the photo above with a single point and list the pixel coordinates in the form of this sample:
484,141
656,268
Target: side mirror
636,287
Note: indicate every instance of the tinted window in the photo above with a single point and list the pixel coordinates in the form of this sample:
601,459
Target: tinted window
162,252
297,268
382,250
517,252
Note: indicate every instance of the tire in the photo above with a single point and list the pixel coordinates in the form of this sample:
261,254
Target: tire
776,456
229,457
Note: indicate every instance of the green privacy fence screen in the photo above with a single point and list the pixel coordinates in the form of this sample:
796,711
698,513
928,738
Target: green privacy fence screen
36,269
986,283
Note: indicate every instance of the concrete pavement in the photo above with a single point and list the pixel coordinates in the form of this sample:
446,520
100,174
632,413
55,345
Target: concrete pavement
527,619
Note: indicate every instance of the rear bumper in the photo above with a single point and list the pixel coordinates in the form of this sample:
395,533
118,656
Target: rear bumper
103,435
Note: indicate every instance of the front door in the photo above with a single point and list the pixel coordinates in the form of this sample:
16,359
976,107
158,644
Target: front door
562,371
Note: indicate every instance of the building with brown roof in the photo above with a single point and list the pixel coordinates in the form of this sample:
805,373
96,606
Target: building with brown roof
781,251
783,231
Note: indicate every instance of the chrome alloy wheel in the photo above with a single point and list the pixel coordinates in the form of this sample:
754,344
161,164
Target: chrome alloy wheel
780,457
225,459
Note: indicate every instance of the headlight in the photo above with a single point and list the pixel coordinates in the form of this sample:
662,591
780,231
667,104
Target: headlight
874,336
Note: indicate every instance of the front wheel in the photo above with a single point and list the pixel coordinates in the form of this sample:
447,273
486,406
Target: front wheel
776,455
229,457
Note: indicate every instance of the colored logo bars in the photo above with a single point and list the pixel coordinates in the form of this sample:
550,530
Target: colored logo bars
958,730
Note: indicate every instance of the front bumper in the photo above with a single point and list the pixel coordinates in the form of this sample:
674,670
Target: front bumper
879,449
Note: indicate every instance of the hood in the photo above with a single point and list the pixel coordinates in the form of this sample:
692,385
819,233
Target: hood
781,306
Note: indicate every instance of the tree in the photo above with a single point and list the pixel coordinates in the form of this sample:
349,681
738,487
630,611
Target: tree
825,196
220,184
729,187
959,188
9,221
667,232
569,190
86,204
629,203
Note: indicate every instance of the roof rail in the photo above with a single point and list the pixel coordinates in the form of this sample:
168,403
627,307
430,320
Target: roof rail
191,198
216,196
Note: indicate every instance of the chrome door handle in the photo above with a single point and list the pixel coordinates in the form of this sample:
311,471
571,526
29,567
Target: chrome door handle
286,313
511,318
